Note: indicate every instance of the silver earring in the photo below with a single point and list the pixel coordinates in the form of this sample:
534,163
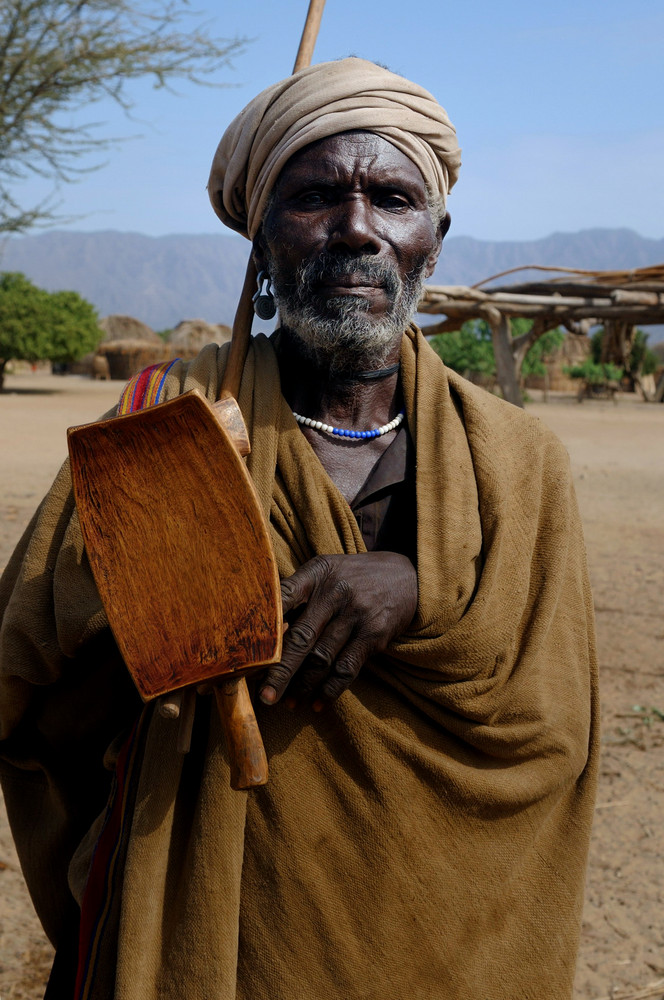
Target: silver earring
264,305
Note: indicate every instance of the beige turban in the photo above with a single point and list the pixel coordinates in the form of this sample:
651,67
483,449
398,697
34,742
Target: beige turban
319,101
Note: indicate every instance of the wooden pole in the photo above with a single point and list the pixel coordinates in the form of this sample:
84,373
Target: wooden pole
244,314
248,760
230,385
310,31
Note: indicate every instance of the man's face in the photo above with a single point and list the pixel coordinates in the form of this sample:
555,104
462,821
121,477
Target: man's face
348,241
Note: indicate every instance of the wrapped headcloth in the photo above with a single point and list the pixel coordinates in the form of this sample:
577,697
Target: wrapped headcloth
322,100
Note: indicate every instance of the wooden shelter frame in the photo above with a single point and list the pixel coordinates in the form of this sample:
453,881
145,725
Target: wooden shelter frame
620,301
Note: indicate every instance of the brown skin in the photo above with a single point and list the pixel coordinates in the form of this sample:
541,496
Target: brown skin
352,194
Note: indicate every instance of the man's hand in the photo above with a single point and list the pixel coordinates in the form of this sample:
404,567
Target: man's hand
353,607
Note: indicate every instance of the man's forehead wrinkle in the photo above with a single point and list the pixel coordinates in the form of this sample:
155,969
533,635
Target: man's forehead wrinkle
334,169
381,164
362,143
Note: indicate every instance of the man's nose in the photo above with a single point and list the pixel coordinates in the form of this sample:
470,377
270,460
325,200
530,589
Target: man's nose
352,228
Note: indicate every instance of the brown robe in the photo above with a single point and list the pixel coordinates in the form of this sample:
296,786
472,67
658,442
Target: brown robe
424,839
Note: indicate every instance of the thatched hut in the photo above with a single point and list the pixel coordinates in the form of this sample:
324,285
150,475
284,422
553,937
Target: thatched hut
191,335
82,366
127,328
127,357
129,345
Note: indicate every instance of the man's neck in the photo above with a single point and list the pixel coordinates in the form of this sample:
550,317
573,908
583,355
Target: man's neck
346,398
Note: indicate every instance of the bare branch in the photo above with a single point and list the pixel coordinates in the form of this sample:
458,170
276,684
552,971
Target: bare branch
61,56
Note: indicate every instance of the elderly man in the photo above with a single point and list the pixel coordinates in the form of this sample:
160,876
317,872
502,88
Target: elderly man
430,727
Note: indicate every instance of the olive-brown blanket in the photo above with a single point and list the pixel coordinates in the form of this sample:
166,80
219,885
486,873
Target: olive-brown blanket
426,838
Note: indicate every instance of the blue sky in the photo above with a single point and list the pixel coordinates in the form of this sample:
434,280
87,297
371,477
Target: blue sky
559,110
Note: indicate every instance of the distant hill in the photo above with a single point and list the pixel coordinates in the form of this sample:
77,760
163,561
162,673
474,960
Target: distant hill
162,280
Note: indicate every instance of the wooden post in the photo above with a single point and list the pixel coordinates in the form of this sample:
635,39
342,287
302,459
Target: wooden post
617,342
501,335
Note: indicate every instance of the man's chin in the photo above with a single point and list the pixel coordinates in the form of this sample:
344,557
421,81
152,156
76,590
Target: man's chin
344,346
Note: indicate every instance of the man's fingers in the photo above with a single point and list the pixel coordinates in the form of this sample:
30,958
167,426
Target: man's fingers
298,588
322,657
330,668
307,680
353,606
346,669
321,630
299,642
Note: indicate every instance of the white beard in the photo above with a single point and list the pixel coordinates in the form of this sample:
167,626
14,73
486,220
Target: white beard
338,333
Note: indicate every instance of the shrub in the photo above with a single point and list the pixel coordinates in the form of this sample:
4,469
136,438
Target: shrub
36,325
593,373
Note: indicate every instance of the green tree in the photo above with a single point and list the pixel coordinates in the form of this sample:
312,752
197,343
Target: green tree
523,346
468,351
542,351
57,57
36,325
594,373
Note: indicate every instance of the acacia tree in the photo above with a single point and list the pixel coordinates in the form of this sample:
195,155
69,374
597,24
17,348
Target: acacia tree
59,56
471,351
468,351
36,325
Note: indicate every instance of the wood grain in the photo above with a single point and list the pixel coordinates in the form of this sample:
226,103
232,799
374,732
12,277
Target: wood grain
177,544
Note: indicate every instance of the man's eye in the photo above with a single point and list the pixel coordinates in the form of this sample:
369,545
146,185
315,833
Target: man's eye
312,198
392,202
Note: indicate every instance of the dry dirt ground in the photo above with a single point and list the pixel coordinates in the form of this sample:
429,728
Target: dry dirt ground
617,454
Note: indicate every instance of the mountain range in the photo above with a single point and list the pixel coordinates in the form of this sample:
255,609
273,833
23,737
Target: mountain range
162,280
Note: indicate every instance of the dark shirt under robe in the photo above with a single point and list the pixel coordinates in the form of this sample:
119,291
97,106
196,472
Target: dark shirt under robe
385,506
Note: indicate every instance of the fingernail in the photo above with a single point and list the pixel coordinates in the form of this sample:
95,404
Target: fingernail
268,695
318,706
290,703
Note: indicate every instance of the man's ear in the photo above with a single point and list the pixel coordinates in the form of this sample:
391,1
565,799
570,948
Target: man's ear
445,224
443,227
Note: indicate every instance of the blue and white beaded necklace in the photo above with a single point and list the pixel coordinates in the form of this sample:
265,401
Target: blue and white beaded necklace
342,432
377,432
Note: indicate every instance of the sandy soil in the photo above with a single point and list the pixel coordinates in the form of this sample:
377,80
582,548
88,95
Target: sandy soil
618,461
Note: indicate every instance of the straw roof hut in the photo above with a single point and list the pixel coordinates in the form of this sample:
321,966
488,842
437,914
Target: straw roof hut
128,357
128,345
127,328
191,335
82,366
